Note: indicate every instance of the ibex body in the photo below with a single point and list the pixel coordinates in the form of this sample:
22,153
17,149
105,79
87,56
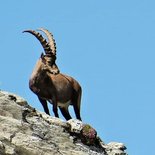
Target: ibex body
50,85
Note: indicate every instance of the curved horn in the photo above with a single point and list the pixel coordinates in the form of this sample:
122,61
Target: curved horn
51,40
41,40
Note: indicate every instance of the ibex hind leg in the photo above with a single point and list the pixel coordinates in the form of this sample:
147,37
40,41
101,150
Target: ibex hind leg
44,104
76,105
65,112
77,112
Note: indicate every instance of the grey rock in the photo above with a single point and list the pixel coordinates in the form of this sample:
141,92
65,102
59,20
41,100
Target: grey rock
115,148
26,131
75,125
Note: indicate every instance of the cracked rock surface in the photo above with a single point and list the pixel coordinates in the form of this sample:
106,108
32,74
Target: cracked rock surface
25,131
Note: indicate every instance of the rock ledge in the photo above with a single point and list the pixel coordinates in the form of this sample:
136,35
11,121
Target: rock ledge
25,131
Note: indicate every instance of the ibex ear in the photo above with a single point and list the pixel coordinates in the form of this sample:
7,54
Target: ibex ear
42,55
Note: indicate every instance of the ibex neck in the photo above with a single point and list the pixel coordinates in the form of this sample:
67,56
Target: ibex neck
53,69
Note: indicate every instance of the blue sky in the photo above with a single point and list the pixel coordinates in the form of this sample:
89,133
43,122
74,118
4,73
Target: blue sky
108,46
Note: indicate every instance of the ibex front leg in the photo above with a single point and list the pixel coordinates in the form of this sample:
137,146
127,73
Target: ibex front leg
44,104
55,107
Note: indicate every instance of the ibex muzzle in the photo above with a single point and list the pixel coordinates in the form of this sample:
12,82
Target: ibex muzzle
49,84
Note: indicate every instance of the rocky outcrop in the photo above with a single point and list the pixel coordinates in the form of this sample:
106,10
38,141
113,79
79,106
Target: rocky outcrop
25,131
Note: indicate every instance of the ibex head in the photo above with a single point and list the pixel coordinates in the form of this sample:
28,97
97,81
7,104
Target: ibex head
49,47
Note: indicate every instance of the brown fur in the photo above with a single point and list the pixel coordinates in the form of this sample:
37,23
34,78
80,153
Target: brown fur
50,85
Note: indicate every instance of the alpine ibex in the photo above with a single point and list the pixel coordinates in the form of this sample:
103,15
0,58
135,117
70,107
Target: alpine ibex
49,84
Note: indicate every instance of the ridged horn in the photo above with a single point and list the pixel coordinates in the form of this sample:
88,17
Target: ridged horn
43,41
51,40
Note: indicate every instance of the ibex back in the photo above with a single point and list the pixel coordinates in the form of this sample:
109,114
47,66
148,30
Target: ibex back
50,85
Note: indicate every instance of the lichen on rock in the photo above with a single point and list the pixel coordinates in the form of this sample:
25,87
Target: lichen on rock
88,135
